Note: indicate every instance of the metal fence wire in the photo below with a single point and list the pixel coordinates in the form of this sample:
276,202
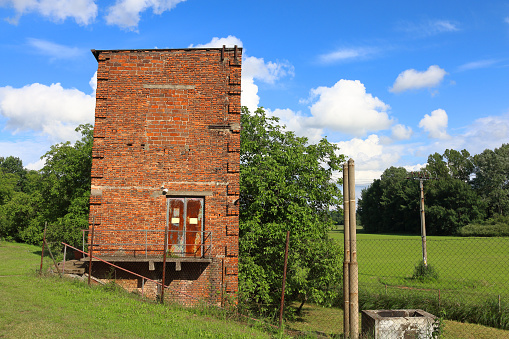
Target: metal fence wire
465,280
465,284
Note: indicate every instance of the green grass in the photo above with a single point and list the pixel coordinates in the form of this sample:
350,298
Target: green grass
473,273
52,307
316,319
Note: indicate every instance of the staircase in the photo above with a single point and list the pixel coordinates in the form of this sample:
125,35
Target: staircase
72,267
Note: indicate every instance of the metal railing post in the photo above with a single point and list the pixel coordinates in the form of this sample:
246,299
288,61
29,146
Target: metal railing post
90,251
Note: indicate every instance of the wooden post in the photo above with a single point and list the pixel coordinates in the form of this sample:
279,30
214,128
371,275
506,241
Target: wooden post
43,243
346,258
354,269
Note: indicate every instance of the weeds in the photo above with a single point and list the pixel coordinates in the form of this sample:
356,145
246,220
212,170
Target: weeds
425,273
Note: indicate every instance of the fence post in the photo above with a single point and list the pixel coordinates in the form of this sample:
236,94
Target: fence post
346,258
65,254
354,268
43,243
164,257
90,251
284,281
222,282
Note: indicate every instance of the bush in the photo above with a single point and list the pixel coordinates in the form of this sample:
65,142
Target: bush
425,272
497,226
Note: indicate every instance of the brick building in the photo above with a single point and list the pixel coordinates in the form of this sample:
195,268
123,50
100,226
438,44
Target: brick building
166,153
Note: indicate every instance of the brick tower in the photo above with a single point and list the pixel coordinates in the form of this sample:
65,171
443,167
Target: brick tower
166,153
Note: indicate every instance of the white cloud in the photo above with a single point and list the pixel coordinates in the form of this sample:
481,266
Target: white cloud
488,132
429,28
296,123
51,110
439,26
477,64
346,54
252,69
229,41
401,132
412,79
435,124
346,107
55,51
371,157
126,13
267,72
83,11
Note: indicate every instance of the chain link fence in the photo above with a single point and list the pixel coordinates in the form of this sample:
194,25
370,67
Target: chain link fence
465,282
465,279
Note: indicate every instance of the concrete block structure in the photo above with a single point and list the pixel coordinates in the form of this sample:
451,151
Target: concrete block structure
166,153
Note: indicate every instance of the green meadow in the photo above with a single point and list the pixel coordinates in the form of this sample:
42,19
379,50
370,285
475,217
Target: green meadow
473,275
53,307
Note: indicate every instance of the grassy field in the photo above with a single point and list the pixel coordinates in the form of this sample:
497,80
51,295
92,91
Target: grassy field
467,264
318,320
51,307
473,275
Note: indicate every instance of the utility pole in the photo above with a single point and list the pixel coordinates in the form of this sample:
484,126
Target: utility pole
421,176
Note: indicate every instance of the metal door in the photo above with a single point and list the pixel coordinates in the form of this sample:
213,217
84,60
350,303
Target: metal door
186,226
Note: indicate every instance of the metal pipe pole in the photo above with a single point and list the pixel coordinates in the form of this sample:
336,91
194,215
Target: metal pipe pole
423,227
43,243
346,258
165,250
90,251
354,269
284,281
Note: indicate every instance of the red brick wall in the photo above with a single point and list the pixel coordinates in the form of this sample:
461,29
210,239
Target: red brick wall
169,118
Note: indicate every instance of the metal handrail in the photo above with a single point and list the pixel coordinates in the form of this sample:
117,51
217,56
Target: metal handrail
205,245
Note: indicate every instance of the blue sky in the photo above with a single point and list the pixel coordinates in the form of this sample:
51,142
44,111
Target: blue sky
389,82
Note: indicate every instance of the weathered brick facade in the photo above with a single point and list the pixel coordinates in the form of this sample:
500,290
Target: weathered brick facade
169,118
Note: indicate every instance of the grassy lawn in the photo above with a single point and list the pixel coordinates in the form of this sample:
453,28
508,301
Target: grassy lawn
472,265
51,307
316,319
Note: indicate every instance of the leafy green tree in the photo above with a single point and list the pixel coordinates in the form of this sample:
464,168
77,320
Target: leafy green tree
451,204
66,186
14,165
492,179
452,164
286,184
390,204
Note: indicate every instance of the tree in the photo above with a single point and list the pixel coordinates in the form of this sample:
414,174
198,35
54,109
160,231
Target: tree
286,184
390,204
14,165
451,204
492,179
66,187
452,164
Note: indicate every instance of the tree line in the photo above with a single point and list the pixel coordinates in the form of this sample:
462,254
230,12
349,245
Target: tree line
462,190
58,194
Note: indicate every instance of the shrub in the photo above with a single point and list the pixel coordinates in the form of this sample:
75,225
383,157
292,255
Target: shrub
425,272
497,226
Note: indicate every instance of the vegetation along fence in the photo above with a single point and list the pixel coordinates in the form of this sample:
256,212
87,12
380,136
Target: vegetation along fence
466,279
